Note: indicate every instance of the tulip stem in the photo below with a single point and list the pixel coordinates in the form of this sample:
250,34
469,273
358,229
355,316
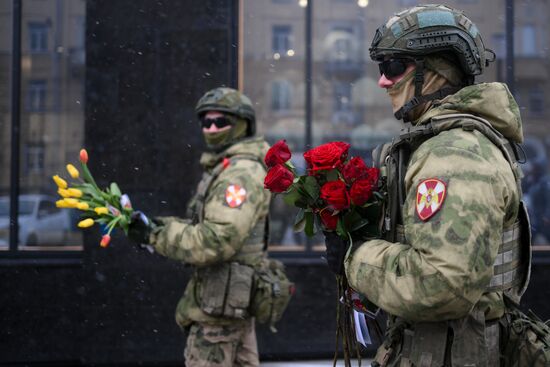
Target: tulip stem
112,224
88,176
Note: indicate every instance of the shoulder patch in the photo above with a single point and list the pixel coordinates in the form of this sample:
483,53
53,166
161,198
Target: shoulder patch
235,195
430,195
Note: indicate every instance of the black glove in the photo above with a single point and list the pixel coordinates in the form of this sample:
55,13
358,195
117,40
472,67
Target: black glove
140,228
336,251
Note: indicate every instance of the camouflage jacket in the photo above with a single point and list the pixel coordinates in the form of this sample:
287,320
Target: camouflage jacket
235,203
443,268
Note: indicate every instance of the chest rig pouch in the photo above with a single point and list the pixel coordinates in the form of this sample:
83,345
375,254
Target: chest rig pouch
225,289
469,341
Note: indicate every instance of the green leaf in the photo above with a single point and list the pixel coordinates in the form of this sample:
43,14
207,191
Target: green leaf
309,231
103,220
88,176
359,224
123,222
332,175
311,187
291,197
299,221
317,225
115,190
341,229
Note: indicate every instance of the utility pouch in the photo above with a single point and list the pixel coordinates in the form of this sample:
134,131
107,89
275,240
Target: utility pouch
526,341
225,289
272,292
425,345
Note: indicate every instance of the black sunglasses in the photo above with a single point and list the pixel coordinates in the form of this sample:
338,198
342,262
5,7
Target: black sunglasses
220,122
393,67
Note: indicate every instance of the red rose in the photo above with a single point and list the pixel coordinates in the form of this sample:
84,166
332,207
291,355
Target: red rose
361,191
329,220
326,156
335,194
372,175
278,153
278,179
354,169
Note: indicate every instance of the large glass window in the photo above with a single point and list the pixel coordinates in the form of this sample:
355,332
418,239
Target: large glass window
346,101
274,51
51,121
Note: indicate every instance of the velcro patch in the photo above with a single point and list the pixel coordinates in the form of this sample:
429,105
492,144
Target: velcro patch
235,196
430,195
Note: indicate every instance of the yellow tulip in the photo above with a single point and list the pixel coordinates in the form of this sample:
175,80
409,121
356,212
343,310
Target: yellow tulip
86,223
83,206
75,193
62,204
61,183
72,203
64,193
101,210
72,171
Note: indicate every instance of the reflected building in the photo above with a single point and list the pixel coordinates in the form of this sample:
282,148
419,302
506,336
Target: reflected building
51,117
52,89
347,104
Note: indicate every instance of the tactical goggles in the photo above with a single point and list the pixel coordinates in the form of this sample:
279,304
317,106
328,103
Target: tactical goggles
394,67
220,122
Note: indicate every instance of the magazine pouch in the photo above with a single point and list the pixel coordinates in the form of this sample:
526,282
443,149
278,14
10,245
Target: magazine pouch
225,289
272,292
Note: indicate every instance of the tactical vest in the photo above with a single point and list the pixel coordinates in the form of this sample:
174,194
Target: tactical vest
256,243
470,341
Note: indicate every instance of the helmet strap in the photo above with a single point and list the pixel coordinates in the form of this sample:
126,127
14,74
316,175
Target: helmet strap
418,99
418,77
403,112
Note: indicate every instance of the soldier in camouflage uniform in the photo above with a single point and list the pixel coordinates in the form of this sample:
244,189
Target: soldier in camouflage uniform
223,236
455,246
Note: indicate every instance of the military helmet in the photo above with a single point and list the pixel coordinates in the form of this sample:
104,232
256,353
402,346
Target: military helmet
431,30
428,29
230,101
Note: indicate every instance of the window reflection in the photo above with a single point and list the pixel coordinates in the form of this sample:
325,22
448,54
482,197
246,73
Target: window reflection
281,94
281,40
38,37
348,104
52,121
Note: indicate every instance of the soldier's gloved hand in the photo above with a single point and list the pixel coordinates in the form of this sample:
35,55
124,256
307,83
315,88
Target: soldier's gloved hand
140,228
335,252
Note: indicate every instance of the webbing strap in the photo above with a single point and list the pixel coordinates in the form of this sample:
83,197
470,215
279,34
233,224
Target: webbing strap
417,100
507,269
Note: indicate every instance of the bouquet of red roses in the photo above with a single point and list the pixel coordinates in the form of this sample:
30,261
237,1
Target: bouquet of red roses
337,193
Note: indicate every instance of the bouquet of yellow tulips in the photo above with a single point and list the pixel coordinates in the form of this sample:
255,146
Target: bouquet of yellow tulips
108,207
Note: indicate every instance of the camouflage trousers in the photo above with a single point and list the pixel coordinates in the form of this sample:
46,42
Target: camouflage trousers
222,346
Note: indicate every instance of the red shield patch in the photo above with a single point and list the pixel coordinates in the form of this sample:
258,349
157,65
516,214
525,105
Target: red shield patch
235,196
430,195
